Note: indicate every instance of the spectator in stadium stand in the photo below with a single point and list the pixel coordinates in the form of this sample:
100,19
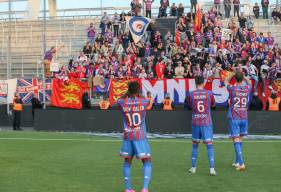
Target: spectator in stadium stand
17,110
180,10
91,33
242,21
265,5
105,23
217,4
167,103
169,70
256,10
148,7
151,101
86,102
36,104
164,4
227,8
263,75
87,50
207,72
197,70
48,57
188,72
123,22
275,16
273,102
173,10
160,68
179,70
273,74
250,23
104,104
90,73
236,4
217,70
136,7
193,4
256,103
116,23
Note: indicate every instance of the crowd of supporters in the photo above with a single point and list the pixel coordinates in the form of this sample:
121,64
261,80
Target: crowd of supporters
111,53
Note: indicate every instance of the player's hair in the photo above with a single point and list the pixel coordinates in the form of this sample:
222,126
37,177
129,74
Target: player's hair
133,89
239,77
199,80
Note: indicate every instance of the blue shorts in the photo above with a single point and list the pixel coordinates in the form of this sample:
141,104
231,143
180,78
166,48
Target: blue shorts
238,128
204,134
140,149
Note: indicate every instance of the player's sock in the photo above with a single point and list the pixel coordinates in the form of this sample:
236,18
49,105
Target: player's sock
211,156
194,154
146,173
127,174
237,146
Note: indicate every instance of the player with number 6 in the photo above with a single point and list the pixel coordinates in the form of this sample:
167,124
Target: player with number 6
201,101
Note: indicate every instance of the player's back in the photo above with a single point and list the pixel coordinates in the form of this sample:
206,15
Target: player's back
238,102
201,102
134,113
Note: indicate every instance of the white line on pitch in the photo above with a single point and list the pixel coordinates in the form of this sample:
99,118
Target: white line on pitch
151,140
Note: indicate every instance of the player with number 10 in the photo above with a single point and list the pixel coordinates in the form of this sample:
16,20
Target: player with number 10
135,143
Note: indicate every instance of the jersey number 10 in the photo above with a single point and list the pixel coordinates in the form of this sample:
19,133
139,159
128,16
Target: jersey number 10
134,119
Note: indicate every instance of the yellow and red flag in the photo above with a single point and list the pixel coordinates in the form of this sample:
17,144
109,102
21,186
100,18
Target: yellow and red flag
118,88
68,95
197,22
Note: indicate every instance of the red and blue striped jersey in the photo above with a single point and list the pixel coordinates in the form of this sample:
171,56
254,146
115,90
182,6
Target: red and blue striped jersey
239,101
134,113
201,101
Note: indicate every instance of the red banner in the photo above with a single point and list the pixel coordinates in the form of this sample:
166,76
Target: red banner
67,94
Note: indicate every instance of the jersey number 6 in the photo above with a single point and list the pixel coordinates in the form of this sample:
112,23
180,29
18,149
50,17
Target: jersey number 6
200,106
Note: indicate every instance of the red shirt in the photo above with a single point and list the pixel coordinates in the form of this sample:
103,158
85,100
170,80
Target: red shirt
160,69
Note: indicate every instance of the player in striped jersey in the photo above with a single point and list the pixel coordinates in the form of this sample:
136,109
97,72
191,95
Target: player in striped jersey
135,143
238,115
201,101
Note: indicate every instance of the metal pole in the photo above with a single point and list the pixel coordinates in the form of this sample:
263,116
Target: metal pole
9,49
44,50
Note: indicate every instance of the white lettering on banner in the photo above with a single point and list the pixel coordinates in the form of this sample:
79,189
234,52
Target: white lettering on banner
177,86
221,93
157,91
191,85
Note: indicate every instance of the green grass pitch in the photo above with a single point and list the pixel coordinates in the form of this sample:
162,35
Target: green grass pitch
60,162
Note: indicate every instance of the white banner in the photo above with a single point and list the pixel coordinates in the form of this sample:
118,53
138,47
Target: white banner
7,90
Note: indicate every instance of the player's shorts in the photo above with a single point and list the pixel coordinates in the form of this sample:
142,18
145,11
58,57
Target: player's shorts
238,128
204,134
140,149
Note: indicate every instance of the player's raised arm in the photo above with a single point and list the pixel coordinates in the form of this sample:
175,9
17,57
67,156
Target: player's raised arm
248,81
213,101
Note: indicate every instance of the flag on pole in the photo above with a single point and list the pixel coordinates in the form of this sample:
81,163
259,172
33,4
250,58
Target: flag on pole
137,26
197,22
